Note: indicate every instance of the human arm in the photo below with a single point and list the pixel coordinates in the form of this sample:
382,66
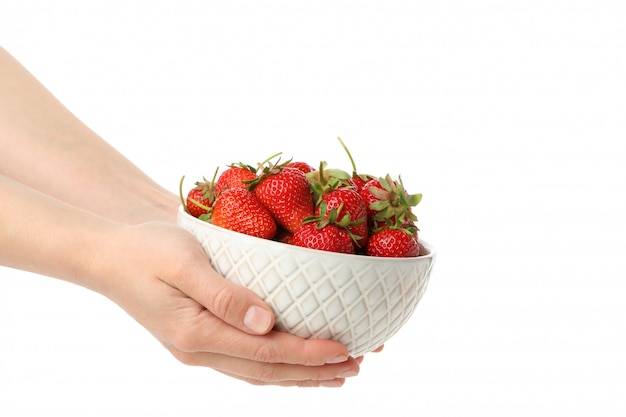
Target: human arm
66,159
117,238
160,276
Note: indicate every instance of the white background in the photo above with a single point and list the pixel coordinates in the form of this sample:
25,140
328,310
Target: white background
509,116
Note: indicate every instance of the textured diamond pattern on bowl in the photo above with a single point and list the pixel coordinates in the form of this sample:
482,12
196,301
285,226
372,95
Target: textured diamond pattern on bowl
360,301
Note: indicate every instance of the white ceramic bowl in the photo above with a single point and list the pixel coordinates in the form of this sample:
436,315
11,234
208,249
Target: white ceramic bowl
360,301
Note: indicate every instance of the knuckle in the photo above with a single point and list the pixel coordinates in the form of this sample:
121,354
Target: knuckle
309,357
180,270
265,373
266,354
223,300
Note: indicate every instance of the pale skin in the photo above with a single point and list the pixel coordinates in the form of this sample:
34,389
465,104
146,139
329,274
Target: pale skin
118,237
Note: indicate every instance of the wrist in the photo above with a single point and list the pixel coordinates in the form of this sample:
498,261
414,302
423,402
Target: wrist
160,206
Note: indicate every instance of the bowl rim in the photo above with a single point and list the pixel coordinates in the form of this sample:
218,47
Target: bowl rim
430,250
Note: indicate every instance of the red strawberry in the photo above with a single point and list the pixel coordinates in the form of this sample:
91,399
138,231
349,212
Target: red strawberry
286,194
351,204
235,176
302,166
327,231
388,203
328,237
393,242
199,199
240,210
325,180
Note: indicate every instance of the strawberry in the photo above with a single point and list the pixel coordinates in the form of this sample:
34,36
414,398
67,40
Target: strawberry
328,238
388,203
358,179
302,166
323,180
326,209
235,176
199,200
286,194
349,203
336,188
393,242
240,210
325,231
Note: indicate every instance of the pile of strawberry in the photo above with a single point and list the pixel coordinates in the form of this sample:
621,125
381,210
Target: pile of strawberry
318,208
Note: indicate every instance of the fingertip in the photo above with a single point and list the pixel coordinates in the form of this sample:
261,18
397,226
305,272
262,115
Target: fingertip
258,320
337,359
333,383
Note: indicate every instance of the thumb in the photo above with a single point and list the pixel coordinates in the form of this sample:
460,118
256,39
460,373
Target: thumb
234,304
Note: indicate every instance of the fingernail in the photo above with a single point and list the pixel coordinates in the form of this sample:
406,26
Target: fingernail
257,319
347,373
337,359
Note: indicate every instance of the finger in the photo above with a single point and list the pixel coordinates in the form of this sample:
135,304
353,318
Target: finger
332,383
258,373
234,304
210,334
265,374
273,373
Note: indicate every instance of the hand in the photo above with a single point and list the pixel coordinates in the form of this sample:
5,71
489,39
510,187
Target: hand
161,276
157,272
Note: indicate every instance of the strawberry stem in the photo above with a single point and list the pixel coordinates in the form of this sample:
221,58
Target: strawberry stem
270,158
354,172
199,204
